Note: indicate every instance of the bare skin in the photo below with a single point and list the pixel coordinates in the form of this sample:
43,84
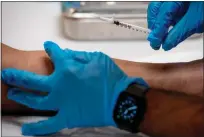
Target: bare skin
175,102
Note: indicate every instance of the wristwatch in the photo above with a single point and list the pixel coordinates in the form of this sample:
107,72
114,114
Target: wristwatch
130,108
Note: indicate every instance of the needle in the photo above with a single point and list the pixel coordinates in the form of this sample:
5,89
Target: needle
123,24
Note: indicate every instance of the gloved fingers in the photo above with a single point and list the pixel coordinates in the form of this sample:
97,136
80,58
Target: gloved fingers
81,56
45,127
25,79
29,99
196,22
182,11
152,12
54,51
165,18
182,30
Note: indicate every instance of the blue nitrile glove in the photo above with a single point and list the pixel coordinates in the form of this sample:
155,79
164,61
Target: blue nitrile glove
70,4
185,17
83,89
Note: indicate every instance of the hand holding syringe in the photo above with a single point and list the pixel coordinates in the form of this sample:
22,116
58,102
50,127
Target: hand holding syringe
123,24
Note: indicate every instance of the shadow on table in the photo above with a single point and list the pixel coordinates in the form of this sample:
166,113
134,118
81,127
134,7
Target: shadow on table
85,132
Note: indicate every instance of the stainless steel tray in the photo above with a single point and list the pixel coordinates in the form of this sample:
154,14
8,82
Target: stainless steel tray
79,24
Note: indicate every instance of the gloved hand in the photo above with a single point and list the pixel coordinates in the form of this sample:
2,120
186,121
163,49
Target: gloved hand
83,89
185,17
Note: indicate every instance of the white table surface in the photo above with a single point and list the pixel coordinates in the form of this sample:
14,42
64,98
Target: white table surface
26,25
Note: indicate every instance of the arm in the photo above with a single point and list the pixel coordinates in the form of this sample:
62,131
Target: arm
184,77
180,77
187,112
13,58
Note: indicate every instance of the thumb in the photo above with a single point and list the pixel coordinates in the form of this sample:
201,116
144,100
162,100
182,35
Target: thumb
177,35
187,26
53,51
165,18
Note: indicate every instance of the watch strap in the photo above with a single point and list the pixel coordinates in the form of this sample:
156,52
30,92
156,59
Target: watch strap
141,90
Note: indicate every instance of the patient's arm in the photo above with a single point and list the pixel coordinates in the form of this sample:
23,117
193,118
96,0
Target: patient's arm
178,77
168,114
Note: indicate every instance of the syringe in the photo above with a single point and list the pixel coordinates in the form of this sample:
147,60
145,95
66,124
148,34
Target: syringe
123,24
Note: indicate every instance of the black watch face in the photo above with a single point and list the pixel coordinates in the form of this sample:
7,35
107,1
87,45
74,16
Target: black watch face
129,111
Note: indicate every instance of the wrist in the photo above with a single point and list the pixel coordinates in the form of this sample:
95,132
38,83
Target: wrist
148,71
130,106
11,58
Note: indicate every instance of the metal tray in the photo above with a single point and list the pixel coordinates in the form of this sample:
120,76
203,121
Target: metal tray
79,24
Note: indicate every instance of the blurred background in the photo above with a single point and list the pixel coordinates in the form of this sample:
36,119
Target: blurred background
80,24
26,25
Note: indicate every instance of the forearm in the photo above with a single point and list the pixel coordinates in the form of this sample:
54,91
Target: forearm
173,115
181,77
184,77
36,61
